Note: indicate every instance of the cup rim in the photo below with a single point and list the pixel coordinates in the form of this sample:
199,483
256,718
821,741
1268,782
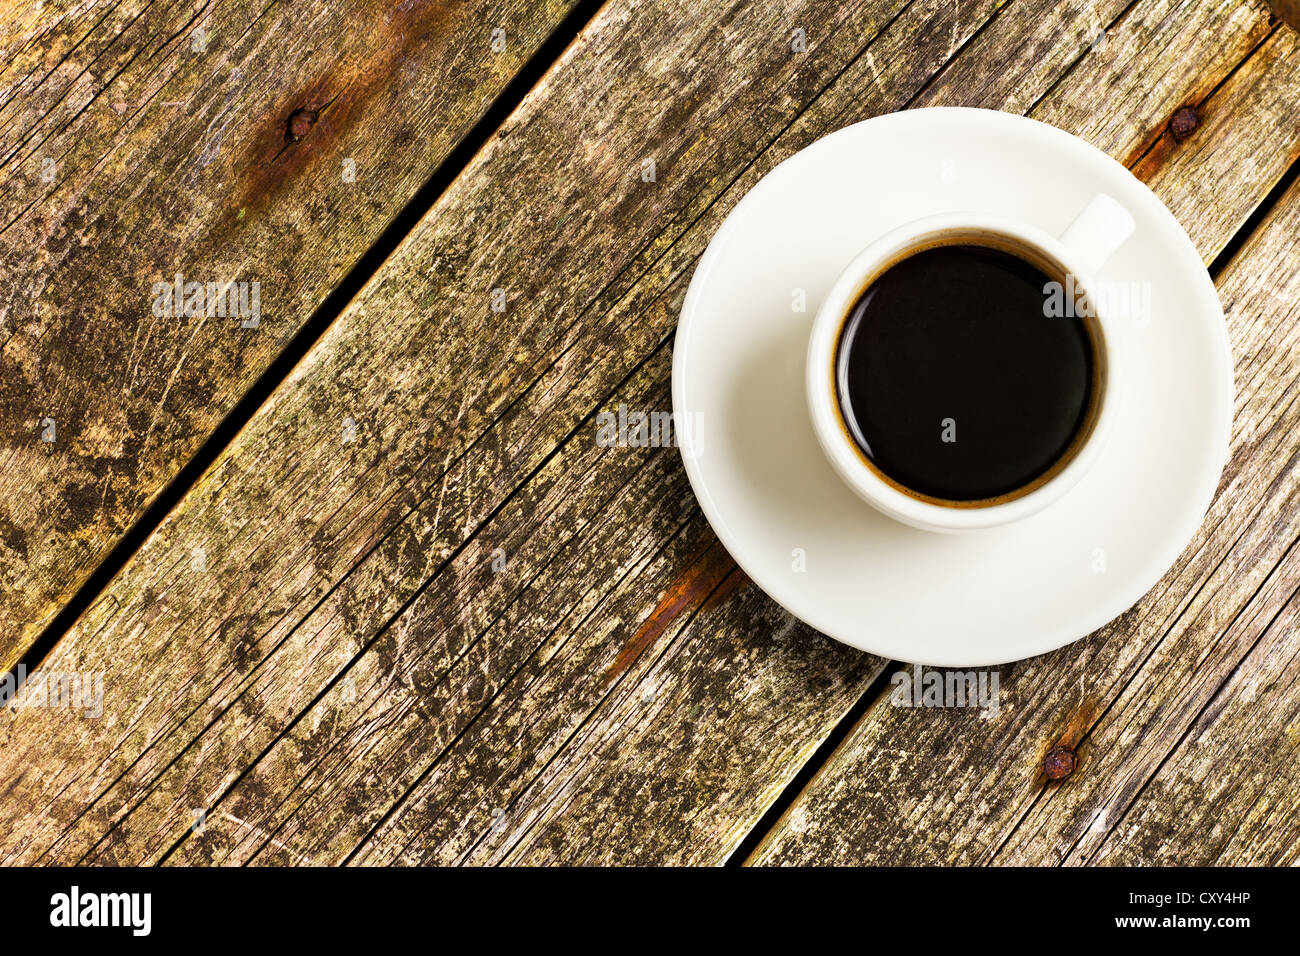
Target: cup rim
847,458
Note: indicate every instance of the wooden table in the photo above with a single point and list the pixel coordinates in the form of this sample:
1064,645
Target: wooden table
359,582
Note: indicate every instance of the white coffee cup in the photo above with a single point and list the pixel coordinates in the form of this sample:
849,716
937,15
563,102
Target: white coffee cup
1075,256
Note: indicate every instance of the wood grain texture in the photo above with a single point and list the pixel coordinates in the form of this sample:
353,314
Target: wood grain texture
357,676
1225,653
402,499
556,816
144,139
1131,699
1225,795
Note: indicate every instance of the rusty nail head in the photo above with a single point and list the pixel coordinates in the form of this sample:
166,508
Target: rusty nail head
300,123
1059,763
1183,123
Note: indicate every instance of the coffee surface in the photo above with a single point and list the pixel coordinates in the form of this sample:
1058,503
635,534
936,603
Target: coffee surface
952,379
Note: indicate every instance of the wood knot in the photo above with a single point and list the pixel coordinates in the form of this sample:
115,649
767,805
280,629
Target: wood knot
1059,763
1184,123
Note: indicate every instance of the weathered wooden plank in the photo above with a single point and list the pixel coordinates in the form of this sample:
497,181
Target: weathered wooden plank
610,651
581,794
141,140
586,829
1223,637
1226,795
601,813
419,444
558,643
1238,757
1126,697
481,643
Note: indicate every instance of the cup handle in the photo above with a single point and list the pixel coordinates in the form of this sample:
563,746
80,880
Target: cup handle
1098,231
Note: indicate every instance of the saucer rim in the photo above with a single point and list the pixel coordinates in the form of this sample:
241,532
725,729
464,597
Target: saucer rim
1160,557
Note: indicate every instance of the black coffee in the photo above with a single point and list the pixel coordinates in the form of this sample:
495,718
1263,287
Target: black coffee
954,381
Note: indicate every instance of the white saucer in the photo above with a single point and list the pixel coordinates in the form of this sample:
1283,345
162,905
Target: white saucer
973,599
